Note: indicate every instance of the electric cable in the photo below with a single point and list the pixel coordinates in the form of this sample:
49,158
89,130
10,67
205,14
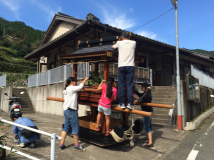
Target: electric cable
154,19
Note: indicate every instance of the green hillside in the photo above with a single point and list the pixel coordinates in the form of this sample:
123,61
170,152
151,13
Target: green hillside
210,53
16,41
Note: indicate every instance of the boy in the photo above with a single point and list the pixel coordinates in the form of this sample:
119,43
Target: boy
126,48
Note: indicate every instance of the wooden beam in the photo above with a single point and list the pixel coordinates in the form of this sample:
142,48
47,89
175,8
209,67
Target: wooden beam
75,70
96,68
103,123
134,111
116,108
106,71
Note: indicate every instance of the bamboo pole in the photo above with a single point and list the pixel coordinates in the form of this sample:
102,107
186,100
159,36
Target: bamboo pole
154,105
136,103
134,111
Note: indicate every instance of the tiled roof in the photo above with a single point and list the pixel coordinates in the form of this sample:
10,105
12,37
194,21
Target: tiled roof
152,41
48,43
207,57
94,49
67,16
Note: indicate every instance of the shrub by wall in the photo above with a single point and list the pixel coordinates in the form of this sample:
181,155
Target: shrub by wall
16,79
14,68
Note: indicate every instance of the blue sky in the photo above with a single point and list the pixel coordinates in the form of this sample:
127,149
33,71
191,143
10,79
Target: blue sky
196,17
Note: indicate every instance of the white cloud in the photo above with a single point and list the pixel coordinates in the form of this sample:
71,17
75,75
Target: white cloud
151,35
50,11
131,10
16,5
13,6
116,18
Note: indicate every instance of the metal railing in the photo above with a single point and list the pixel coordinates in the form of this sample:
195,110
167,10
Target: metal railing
58,75
204,79
3,80
53,138
83,69
139,77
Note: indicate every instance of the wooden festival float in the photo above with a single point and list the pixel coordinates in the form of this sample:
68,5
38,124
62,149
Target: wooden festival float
101,57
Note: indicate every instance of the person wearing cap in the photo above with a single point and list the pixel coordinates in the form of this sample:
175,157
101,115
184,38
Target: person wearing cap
126,64
23,137
146,97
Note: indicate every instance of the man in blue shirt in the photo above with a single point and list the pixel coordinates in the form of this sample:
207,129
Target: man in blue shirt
26,138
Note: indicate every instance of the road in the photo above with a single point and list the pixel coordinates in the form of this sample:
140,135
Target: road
198,145
163,138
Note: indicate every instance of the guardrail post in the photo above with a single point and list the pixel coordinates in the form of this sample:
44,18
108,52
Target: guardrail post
53,146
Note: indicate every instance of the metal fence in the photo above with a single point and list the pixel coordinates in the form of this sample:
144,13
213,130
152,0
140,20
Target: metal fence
53,139
142,75
204,79
83,69
58,75
3,80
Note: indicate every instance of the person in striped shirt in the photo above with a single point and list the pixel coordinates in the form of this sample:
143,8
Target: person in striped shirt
146,97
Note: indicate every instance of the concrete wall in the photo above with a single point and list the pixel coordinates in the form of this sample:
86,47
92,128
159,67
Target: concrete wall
38,97
4,103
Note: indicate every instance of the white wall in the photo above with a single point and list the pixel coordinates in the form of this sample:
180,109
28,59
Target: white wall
62,28
4,103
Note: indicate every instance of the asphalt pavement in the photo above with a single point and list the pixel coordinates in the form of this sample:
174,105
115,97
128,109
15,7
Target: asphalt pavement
163,139
198,145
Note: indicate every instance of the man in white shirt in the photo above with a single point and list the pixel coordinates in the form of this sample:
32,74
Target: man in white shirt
126,49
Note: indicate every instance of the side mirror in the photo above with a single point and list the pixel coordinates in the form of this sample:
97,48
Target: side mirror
5,94
22,92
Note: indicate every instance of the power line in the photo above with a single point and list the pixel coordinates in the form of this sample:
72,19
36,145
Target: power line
23,17
153,19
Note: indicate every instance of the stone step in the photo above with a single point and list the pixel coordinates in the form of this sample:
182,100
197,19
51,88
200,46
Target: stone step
26,106
156,116
27,110
25,102
163,87
161,121
164,123
162,102
161,116
168,93
164,96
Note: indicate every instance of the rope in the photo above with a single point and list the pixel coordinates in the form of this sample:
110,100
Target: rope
128,134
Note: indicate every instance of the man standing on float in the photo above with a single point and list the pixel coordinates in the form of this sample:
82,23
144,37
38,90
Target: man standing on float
126,50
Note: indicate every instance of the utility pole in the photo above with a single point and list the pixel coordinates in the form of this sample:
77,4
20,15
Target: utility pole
179,113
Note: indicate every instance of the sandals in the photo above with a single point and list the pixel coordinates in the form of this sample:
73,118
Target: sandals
151,145
98,129
108,133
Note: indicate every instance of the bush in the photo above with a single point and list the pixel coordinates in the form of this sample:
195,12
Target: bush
3,151
15,68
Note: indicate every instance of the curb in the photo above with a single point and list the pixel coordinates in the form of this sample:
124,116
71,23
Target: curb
193,125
